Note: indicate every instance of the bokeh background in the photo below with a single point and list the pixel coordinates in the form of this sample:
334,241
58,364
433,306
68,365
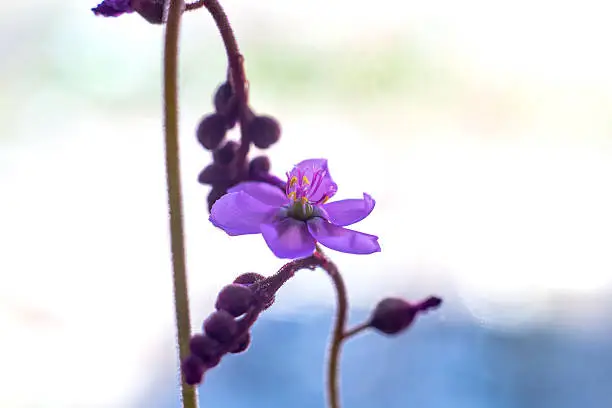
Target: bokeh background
483,130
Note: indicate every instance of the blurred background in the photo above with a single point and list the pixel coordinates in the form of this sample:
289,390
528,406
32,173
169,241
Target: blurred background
482,129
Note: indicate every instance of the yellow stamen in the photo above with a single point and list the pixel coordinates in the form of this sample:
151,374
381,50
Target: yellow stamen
292,195
305,180
304,200
293,181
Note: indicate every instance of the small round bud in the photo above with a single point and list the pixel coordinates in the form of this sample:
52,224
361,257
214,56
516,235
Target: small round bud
211,130
263,131
235,299
259,165
215,194
221,326
394,315
242,344
151,10
206,348
226,153
248,278
226,104
193,369
215,174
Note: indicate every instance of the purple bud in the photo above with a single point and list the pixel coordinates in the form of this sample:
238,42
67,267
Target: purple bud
193,369
235,299
242,344
151,10
226,104
211,130
259,165
263,131
249,278
393,315
216,174
226,153
208,350
221,326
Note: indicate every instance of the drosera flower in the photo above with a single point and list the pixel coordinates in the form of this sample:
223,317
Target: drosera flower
294,221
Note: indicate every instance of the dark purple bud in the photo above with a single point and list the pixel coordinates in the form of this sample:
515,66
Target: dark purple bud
259,165
226,104
249,278
394,315
221,326
242,344
153,11
193,369
113,8
215,193
207,349
235,299
215,174
226,153
211,130
263,131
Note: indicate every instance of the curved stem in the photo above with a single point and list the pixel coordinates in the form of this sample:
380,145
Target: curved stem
333,360
173,179
237,75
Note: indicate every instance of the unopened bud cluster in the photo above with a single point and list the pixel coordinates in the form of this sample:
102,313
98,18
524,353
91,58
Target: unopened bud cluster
227,329
230,165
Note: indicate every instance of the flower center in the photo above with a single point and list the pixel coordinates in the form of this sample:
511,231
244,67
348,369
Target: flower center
301,211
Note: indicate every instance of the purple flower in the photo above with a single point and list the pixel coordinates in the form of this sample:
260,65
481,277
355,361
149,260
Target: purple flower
113,8
291,223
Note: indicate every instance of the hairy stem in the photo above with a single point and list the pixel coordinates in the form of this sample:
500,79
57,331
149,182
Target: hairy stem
237,75
333,359
173,179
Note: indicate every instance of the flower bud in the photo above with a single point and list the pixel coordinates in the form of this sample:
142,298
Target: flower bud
226,104
263,131
226,153
207,349
242,344
221,326
211,130
259,165
193,369
394,315
249,278
154,11
214,174
235,299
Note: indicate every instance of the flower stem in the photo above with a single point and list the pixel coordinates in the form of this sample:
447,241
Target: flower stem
355,330
333,359
173,178
237,75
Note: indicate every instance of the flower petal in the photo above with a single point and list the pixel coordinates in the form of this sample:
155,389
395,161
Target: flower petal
288,238
262,192
112,8
240,214
342,239
322,187
347,212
